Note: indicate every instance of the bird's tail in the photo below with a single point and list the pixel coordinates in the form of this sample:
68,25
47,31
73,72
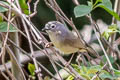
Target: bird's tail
92,51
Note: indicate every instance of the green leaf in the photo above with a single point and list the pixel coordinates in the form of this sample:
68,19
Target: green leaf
2,9
117,72
89,72
4,26
98,67
89,3
110,58
76,67
87,77
106,35
82,10
107,4
104,76
96,2
108,8
111,29
70,78
94,69
24,6
84,69
1,18
31,68
47,78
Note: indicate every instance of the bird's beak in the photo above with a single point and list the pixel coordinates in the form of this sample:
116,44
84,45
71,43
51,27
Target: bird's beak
45,28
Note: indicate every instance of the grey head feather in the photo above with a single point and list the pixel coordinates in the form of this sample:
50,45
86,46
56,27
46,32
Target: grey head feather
55,26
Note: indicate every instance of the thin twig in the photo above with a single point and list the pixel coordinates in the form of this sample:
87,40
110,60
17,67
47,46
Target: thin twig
15,63
31,49
30,57
5,76
35,8
115,10
70,23
8,72
94,28
52,62
101,45
23,16
4,45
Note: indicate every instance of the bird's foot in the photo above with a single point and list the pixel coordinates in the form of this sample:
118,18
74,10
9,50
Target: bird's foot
47,45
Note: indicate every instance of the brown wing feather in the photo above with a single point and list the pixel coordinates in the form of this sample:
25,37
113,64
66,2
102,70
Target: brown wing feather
74,41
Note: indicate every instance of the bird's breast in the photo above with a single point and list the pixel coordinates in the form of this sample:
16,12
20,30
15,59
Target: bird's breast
68,49
62,46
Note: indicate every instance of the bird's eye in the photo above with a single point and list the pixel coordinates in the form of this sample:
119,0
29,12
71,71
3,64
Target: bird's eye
53,26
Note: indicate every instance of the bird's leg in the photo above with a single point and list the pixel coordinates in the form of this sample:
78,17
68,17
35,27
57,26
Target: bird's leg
81,59
84,60
87,55
69,60
78,59
47,45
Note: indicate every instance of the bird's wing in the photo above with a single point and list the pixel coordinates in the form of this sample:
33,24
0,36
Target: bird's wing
74,41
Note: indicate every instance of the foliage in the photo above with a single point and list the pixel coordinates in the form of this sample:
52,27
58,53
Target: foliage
111,30
24,6
2,9
82,10
4,26
89,72
79,11
31,68
70,77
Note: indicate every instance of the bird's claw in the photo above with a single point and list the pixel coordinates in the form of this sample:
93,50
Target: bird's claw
47,45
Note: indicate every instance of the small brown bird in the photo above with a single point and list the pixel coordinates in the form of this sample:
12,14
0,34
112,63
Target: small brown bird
64,39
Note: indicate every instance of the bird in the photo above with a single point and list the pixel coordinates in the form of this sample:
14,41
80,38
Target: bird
64,39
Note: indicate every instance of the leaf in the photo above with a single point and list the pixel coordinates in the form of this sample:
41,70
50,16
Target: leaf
46,78
70,78
31,68
1,18
110,58
2,9
82,10
98,67
117,72
87,77
89,72
4,25
111,29
106,5
76,67
24,6
96,2
106,35
84,69
94,69
104,76
89,3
